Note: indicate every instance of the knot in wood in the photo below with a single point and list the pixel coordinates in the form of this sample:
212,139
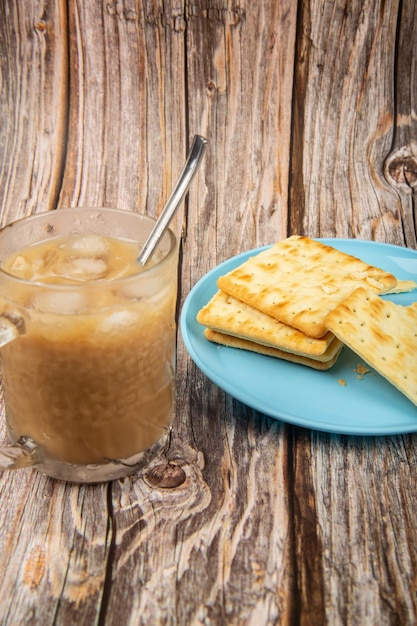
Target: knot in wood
166,476
401,168
40,26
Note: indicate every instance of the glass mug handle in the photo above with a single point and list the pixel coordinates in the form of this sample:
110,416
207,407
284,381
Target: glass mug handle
25,452
11,326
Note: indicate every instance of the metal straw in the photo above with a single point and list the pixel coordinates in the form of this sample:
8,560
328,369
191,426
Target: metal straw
177,194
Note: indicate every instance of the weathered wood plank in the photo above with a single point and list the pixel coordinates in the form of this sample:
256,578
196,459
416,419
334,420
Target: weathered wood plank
53,564
201,552
240,66
344,121
54,550
127,136
33,104
354,499
215,504
401,163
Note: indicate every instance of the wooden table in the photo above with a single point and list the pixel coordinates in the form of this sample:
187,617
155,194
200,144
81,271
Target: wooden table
309,109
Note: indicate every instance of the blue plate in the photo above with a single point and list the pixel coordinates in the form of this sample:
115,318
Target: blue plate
295,393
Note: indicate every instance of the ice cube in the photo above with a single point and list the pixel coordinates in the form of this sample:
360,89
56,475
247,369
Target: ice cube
20,267
61,303
118,321
87,245
82,268
138,289
19,264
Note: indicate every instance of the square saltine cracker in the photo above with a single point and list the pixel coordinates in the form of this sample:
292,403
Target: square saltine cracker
300,280
382,333
237,342
226,314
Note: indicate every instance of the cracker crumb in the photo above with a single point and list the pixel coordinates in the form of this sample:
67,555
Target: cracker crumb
342,382
361,370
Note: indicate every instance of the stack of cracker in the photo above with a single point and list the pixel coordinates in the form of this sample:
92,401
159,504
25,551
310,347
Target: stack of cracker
286,302
233,323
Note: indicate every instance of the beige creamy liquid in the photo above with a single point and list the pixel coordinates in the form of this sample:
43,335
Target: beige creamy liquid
92,377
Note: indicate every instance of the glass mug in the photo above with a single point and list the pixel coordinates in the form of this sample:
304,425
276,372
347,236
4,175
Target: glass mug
87,343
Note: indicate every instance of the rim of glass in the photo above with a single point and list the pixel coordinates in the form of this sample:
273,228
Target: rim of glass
99,283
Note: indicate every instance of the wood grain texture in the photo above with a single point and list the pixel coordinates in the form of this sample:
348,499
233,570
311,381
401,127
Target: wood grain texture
309,111
33,103
240,65
344,121
126,133
364,525
401,162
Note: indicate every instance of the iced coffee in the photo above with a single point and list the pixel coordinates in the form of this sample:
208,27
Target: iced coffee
91,377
